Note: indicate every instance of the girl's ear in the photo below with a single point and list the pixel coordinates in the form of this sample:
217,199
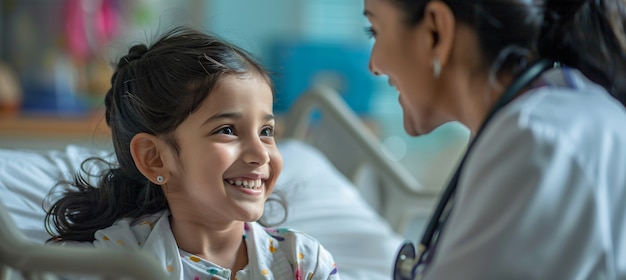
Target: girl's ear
440,20
147,150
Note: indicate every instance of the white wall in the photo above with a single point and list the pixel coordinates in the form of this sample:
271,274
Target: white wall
254,24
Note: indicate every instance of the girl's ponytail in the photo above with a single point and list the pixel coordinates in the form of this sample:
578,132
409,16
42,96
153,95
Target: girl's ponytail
83,209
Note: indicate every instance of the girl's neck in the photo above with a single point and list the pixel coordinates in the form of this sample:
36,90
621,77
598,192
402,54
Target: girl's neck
223,246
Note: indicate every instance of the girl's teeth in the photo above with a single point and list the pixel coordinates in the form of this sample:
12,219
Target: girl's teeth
249,184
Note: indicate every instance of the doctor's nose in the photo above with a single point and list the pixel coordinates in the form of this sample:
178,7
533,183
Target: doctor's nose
256,153
373,68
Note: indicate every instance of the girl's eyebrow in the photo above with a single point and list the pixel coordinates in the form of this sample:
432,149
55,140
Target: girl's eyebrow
226,115
233,115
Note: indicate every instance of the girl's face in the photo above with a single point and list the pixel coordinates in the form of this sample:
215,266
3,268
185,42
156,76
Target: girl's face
227,161
404,53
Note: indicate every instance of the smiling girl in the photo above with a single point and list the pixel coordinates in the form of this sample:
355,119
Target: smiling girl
193,131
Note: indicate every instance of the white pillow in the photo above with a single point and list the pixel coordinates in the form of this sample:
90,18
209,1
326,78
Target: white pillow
26,177
321,202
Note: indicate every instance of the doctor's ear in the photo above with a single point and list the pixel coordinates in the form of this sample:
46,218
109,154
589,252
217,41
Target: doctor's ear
148,152
440,21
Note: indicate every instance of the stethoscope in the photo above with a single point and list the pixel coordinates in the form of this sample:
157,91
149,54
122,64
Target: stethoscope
410,263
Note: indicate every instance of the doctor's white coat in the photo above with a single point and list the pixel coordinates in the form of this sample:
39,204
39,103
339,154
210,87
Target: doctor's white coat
543,192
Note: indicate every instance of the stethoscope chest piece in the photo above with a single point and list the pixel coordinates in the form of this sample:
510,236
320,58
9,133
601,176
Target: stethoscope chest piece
405,264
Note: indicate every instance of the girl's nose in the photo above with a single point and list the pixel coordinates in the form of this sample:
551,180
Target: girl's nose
256,153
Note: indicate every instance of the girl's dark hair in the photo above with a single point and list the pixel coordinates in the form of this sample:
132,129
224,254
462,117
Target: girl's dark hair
584,34
153,90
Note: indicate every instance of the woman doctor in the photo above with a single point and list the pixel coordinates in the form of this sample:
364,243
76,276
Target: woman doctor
541,193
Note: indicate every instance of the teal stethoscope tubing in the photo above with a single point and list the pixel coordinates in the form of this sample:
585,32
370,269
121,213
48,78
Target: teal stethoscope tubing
408,260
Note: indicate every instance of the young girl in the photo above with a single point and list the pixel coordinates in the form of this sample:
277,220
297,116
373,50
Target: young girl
193,132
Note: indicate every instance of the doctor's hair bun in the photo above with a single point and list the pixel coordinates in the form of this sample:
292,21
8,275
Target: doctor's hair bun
588,35
559,16
564,8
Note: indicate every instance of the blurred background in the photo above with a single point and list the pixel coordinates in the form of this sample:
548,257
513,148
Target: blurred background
55,61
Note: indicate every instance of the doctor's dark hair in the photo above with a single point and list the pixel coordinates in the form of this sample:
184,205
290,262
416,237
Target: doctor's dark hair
584,34
153,90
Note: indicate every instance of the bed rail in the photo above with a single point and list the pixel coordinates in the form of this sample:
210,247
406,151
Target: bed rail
39,261
399,196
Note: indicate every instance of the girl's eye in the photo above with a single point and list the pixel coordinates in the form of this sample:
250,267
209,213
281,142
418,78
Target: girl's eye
370,32
226,130
267,131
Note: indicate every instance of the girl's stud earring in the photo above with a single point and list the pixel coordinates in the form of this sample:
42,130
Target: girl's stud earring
159,179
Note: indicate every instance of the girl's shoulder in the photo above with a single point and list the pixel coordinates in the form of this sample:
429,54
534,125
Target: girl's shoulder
128,232
306,255
284,239
290,234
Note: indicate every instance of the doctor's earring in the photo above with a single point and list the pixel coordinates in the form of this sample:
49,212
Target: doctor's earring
160,179
436,67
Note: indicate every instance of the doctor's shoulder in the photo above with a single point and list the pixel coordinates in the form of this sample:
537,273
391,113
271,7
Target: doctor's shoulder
558,125
578,113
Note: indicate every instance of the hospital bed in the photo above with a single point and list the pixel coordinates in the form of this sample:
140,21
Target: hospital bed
340,188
